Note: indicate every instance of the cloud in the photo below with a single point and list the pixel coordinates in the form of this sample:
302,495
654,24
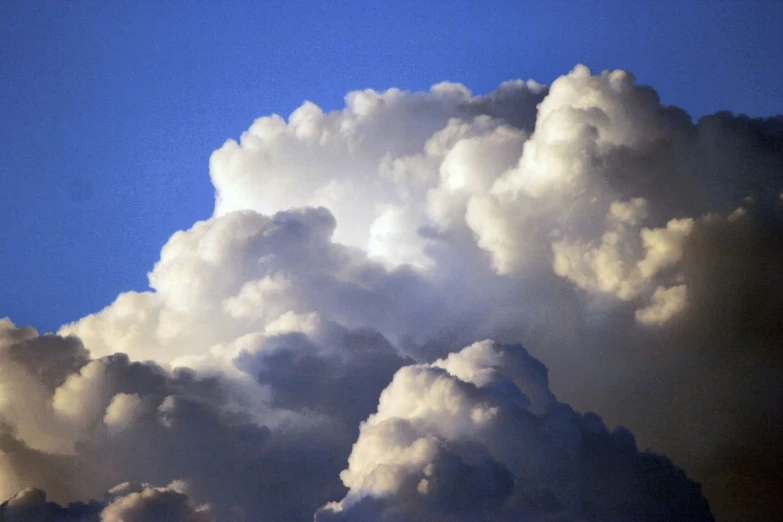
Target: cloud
324,369
635,253
123,503
665,304
270,168
239,442
473,430
121,409
479,435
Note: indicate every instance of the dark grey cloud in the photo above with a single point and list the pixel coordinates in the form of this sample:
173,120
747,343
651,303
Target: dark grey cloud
123,503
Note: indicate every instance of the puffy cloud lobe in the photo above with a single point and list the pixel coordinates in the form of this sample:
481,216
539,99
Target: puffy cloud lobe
123,503
151,504
121,409
237,275
626,262
270,168
480,436
324,368
145,423
559,182
666,303
30,398
30,505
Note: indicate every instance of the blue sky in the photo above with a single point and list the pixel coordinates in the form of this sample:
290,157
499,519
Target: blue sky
110,110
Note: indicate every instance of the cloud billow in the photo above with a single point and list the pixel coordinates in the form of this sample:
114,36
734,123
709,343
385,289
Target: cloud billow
479,435
303,351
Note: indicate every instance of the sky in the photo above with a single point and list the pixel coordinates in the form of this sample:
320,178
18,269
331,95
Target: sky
413,262
110,112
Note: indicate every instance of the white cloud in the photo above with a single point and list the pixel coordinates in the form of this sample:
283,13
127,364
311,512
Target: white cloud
586,220
461,440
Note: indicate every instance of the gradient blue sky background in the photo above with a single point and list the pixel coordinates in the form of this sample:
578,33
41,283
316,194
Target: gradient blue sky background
110,110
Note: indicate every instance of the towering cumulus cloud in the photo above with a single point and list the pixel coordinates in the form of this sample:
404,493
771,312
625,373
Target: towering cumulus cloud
317,349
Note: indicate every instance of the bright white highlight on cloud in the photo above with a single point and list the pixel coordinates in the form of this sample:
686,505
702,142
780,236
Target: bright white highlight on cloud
303,349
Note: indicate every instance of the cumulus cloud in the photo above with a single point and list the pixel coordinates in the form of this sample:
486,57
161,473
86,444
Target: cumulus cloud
665,304
626,260
121,409
636,253
270,444
355,150
123,503
479,435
